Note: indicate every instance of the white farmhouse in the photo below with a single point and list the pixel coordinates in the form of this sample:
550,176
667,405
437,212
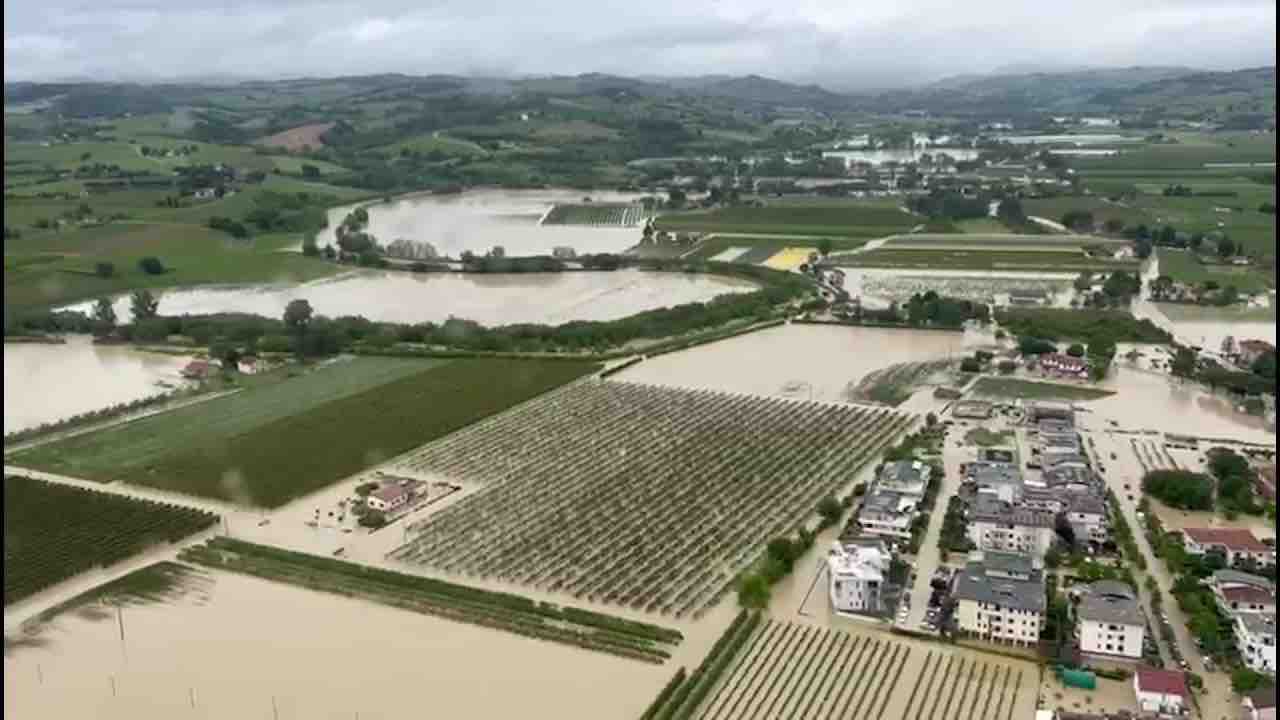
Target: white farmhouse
388,498
1110,621
856,576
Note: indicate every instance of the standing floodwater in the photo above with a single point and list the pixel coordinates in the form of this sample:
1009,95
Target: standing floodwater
45,383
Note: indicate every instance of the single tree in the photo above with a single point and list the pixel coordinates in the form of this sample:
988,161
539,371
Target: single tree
824,247
144,305
151,265
753,592
297,316
104,316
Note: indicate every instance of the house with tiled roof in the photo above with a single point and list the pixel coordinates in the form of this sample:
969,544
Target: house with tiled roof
1237,592
1235,544
1161,691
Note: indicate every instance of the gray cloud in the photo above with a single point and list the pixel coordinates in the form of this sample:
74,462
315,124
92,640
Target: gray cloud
839,43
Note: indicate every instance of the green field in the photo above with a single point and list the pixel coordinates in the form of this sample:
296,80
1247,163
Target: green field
984,226
52,531
192,253
1181,312
1011,388
859,220
981,259
1054,208
434,142
1185,267
1193,153
267,446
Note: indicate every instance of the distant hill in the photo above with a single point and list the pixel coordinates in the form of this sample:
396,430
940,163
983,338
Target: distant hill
760,90
1251,91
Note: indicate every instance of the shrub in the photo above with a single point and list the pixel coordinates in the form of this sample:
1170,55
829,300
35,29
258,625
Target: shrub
1181,489
104,269
151,266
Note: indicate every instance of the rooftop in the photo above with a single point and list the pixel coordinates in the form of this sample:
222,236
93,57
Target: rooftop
991,509
1233,538
1262,698
1165,682
390,493
904,472
1258,623
1235,577
1249,595
1086,503
1109,601
973,583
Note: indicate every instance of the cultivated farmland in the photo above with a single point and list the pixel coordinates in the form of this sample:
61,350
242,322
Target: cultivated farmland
968,257
499,611
52,532
648,497
295,449
596,215
798,671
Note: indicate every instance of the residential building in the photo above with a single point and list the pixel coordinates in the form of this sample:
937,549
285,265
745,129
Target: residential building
1000,597
998,526
1067,475
1004,482
973,410
1064,365
198,370
1110,621
1236,545
388,498
1256,640
1161,691
887,514
907,477
856,576
1086,513
1259,705
1237,592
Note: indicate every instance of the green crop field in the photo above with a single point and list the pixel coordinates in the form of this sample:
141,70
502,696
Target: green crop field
265,447
125,450
52,531
1188,155
1000,242
1012,388
983,226
833,219
1054,208
432,142
1185,267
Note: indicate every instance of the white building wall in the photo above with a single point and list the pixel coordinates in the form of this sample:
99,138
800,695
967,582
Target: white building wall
1106,639
994,622
1020,539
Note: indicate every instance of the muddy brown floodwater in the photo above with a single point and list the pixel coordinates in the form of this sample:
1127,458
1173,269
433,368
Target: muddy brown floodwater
498,299
477,220
256,649
45,383
798,360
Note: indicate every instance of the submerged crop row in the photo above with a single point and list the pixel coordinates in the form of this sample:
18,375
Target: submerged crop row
648,497
802,671
500,611
54,531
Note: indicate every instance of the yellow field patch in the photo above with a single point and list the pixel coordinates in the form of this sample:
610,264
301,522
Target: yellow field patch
789,258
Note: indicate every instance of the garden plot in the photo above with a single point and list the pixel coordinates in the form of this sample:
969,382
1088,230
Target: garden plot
641,496
799,671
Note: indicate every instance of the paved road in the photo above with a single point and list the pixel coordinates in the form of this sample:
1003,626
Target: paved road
929,560
1219,703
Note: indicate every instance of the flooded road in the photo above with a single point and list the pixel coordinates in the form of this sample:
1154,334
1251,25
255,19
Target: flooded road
248,648
478,220
490,299
797,361
46,383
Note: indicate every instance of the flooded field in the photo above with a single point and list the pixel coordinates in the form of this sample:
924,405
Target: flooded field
1146,400
499,299
247,648
478,220
878,287
46,383
798,361
876,157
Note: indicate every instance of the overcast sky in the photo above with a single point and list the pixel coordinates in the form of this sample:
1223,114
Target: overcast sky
840,43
